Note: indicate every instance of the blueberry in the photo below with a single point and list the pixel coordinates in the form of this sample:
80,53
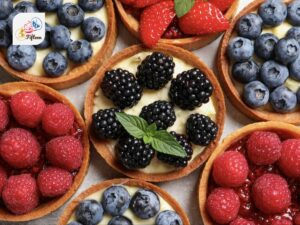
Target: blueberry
10,19
60,37
70,15
294,33
21,57
25,7
283,100
168,217
91,5
294,69
145,204
273,74
6,7
5,35
46,42
48,5
89,212
93,29
240,49
256,94
298,95
55,64
74,223
120,220
245,72
249,26
272,12
115,200
287,50
264,46
293,13
79,51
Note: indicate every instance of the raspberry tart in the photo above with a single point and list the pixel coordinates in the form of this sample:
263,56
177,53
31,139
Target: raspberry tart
44,151
258,61
80,36
128,207
169,28
253,177
137,106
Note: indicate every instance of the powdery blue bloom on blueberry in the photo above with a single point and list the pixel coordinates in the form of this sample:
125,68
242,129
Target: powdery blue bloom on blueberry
25,7
293,12
21,57
265,45
294,69
294,33
287,50
91,5
11,18
256,94
298,96
46,42
74,223
249,26
273,12
168,217
55,64
93,29
273,74
48,5
120,220
60,37
89,212
6,7
240,49
283,100
70,15
5,34
245,72
79,51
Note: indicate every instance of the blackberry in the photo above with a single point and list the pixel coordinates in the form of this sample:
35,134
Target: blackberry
175,160
105,124
134,153
200,129
190,89
155,71
160,112
122,88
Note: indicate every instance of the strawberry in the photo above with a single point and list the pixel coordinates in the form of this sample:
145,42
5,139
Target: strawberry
203,18
144,3
155,21
222,5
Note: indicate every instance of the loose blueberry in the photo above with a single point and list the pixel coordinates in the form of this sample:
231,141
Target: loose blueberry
120,220
294,33
91,5
145,204
80,51
249,26
240,49
60,37
245,72
46,42
294,69
70,15
89,212
168,217
273,74
55,64
11,18
6,7
283,100
256,94
298,96
115,200
264,46
293,13
272,12
21,57
5,35
48,5
74,223
93,29
287,50
25,7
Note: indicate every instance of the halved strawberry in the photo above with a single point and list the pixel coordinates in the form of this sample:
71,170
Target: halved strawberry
222,5
144,3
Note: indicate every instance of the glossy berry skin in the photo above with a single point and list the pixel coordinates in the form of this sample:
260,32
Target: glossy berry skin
3,179
294,33
293,14
287,51
60,37
168,217
242,221
70,15
93,29
115,200
46,42
245,72
25,7
21,57
294,69
256,94
273,12
6,7
89,212
55,64
222,5
282,221
91,6
273,74
264,46
5,39
120,220
145,204
249,26
80,51
4,115
48,5
283,100
240,49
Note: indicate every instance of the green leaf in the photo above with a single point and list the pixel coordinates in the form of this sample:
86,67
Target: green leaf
151,129
182,7
147,139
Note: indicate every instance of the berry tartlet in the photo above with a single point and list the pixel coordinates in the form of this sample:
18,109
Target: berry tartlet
258,61
142,17
155,114
80,36
126,202
44,151
253,177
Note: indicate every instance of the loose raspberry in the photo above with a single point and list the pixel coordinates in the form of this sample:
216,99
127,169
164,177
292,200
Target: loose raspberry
271,194
57,119
65,152
3,179
223,205
4,117
20,194
27,108
282,221
297,219
53,182
242,221
230,169
289,161
19,148
264,148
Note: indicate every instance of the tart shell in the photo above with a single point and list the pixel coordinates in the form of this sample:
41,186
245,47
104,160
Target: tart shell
9,89
223,65
79,73
102,147
190,43
283,128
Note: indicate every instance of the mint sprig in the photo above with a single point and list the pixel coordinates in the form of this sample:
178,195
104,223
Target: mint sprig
182,7
160,140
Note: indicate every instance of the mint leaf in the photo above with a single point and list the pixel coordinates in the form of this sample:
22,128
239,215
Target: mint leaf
151,129
182,7
147,139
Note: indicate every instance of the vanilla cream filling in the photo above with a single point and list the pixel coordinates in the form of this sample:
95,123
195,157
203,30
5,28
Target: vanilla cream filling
76,33
128,213
150,96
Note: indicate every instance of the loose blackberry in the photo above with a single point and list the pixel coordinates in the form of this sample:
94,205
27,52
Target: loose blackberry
155,71
105,124
201,130
190,89
175,160
122,88
134,153
160,112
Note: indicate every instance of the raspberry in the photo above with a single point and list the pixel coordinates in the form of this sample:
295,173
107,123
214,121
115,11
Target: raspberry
27,108
19,148
57,119
53,182
263,147
289,161
271,194
282,221
223,205
242,221
20,194
65,152
4,118
297,219
230,169
3,179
